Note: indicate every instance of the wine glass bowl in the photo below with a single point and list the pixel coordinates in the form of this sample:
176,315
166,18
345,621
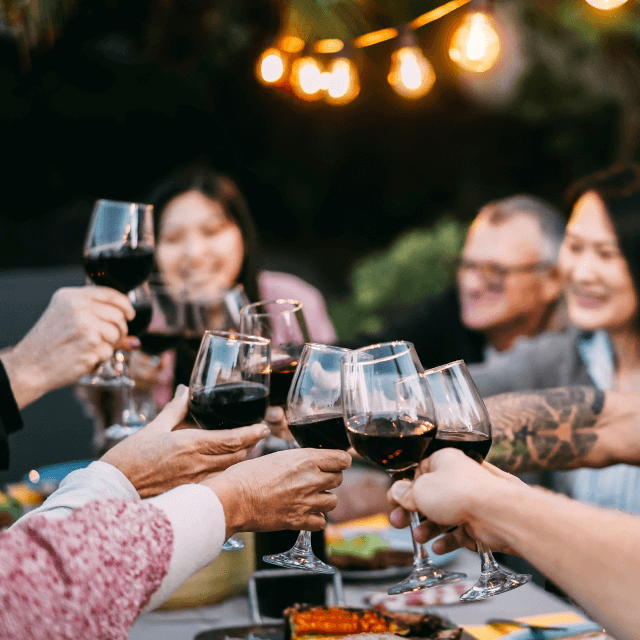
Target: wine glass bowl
464,424
315,419
390,421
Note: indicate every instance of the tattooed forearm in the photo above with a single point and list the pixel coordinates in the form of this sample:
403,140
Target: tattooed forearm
544,430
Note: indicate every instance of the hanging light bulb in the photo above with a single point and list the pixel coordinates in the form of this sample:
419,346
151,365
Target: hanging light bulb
340,83
411,74
306,78
606,5
271,66
475,44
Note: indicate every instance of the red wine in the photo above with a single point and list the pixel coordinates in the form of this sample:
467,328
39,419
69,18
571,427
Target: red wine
156,343
142,319
122,269
395,445
472,443
229,405
281,379
321,432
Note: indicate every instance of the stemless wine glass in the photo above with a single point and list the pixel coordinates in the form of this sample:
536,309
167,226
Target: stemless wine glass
118,253
314,414
464,424
229,385
390,421
283,322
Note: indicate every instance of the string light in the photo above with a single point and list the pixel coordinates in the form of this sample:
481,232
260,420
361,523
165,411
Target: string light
606,5
271,66
306,78
475,44
411,74
342,84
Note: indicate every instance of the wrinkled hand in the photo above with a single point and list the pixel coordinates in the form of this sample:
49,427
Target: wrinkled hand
283,490
158,458
77,331
449,491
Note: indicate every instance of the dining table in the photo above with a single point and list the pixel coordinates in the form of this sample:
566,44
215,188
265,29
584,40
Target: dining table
527,600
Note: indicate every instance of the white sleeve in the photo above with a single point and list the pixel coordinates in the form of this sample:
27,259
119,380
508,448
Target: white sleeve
198,523
99,481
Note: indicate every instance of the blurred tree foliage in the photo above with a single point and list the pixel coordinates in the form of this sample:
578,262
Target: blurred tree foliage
417,264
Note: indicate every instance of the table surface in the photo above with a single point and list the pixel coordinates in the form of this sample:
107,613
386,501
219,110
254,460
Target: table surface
184,624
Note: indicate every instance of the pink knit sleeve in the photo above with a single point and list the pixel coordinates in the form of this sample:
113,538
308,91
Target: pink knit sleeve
87,576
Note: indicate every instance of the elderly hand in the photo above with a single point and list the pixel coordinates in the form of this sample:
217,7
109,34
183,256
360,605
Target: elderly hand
283,490
158,458
449,491
78,330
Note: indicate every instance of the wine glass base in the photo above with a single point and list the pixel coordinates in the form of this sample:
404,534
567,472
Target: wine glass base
290,560
233,544
494,583
426,578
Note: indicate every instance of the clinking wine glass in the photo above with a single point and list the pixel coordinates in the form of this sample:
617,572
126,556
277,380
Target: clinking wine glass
390,421
314,415
118,253
229,385
283,322
464,424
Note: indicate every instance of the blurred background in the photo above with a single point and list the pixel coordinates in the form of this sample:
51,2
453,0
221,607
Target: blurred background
367,200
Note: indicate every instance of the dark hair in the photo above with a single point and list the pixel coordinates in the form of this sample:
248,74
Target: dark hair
619,189
224,190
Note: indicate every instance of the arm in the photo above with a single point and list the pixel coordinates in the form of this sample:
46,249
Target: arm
590,553
564,428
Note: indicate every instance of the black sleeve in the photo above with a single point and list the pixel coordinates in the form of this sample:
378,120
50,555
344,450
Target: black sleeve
10,418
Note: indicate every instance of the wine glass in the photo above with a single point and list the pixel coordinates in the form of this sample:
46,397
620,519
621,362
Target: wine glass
229,385
283,322
314,415
118,253
464,424
390,421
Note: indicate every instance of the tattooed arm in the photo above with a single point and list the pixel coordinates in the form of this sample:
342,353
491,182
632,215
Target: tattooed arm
564,428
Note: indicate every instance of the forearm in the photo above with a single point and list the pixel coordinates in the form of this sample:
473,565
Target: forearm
590,553
564,428
25,377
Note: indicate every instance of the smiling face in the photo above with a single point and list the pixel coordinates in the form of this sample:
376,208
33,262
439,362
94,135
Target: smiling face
200,249
600,292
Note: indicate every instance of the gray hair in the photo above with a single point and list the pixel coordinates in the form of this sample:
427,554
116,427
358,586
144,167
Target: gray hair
549,218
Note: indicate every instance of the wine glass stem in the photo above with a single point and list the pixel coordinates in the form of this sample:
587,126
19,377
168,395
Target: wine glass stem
489,564
303,543
421,557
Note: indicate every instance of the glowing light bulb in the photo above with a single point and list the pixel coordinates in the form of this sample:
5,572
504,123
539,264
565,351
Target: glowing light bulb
306,78
606,5
411,74
342,84
34,476
475,44
271,66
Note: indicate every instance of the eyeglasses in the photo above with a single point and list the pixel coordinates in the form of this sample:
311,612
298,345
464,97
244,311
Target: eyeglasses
494,274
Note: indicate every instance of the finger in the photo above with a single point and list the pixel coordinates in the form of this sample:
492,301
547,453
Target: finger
331,481
426,531
275,414
109,315
446,544
217,464
402,494
313,522
111,297
228,441
174,413
128,344
325,502
330,460
399,518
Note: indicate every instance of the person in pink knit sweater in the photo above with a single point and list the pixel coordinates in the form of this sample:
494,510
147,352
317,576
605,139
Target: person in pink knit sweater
87,569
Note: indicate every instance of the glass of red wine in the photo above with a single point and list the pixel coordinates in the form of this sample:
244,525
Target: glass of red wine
118,253
283,322
464,424
314,415
229,385
390,421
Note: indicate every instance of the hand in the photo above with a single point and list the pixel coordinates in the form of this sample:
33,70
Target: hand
449,491
283,490
277,421
158,457
150,371
78,330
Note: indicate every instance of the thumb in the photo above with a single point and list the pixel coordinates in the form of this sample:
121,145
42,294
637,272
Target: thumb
174,413
402,493
232,440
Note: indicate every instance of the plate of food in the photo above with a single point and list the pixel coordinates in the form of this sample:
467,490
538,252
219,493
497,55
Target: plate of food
371,549
307,622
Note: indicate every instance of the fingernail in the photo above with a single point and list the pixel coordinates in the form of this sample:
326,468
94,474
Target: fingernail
400,487
182,391
273,413
437,547
134,343
265,432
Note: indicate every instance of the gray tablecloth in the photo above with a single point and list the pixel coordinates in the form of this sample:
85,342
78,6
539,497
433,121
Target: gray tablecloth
185,624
